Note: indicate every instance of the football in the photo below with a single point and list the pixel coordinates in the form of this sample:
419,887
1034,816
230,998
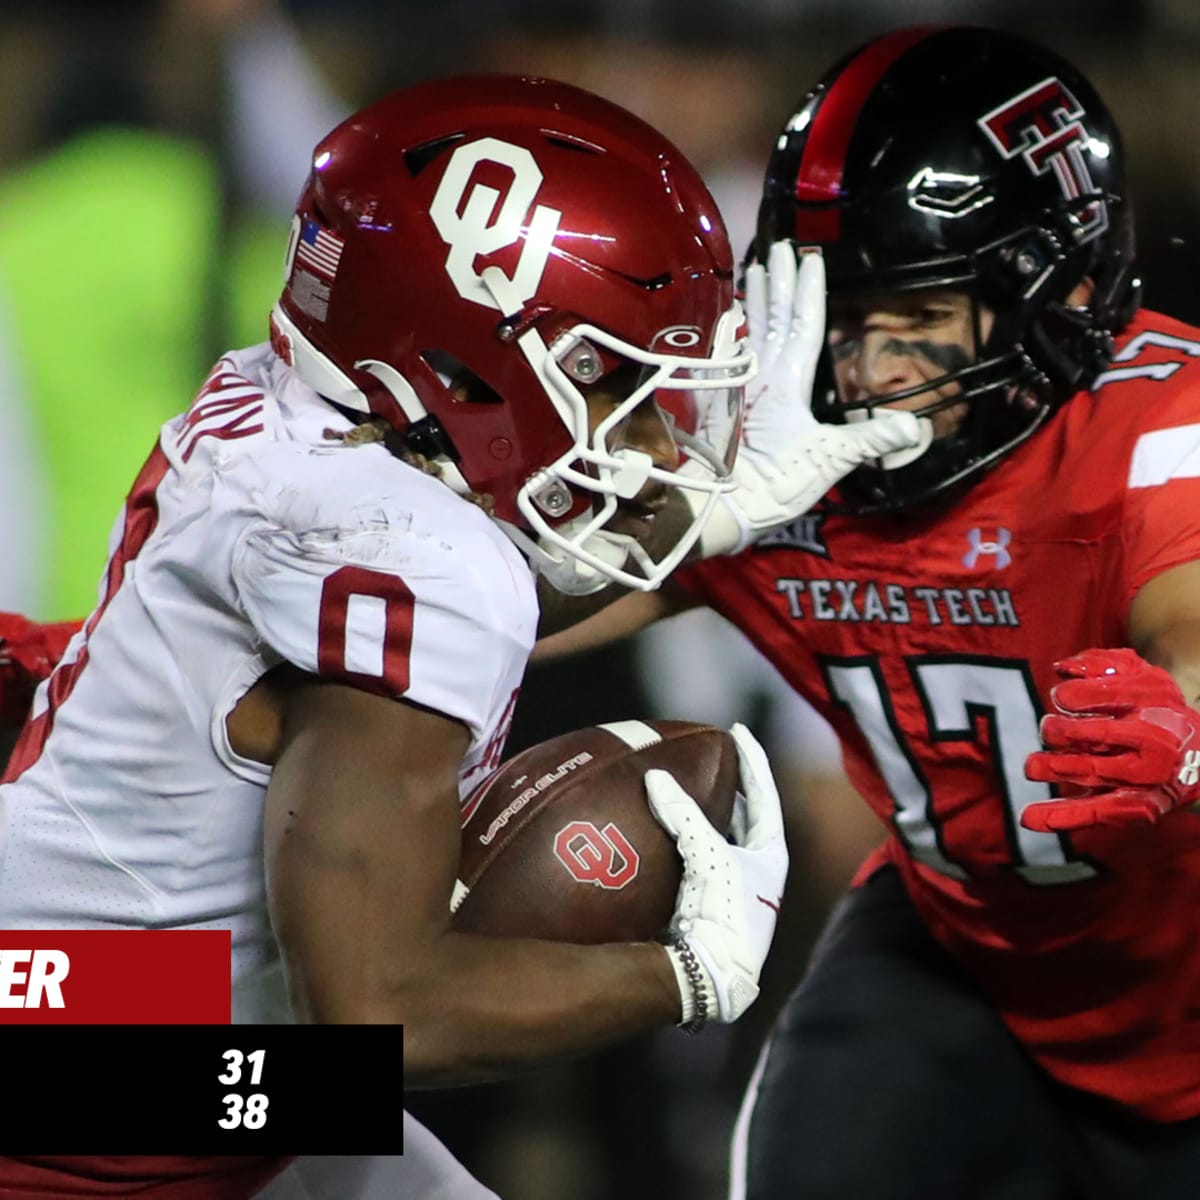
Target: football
559,842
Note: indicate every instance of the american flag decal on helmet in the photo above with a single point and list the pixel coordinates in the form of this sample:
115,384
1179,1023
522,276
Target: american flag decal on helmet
319,250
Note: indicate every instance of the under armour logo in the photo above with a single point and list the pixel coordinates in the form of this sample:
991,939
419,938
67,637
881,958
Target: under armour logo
1189,773
978,546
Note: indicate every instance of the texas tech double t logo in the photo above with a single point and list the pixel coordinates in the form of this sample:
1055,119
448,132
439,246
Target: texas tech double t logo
1043,125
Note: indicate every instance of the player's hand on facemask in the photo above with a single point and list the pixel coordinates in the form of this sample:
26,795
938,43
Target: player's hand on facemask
787,459
730,893
1124,732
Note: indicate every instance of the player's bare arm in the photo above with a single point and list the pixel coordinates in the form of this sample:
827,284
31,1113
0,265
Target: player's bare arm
620,618
362,837
1164,626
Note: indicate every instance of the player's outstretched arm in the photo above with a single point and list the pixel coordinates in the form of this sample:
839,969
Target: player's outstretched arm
731,891
622,618
1124,738
362,850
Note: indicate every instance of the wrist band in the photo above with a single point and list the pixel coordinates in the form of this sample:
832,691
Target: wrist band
694,1000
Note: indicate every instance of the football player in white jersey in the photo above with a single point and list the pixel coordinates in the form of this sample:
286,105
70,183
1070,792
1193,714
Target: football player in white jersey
318,606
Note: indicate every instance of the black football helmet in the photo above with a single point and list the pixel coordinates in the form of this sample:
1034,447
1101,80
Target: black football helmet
966,158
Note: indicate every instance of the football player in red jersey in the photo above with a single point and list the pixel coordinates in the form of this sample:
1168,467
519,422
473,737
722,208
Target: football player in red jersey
1004,629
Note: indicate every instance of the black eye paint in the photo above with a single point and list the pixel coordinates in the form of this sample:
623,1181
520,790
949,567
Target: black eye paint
948,355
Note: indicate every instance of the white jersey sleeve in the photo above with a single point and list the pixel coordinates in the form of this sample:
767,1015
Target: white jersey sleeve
415,595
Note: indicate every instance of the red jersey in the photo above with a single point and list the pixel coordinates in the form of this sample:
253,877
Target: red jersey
28,653
140,1176
927,641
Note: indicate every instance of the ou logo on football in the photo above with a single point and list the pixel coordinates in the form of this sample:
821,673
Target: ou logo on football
469,221
600,857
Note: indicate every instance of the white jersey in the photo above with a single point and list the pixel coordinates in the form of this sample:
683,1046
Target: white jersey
251,538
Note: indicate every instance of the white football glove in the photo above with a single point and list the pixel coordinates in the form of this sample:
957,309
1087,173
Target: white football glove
787,459
730,893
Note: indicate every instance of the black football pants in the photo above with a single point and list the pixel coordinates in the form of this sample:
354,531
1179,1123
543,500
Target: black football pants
887,1077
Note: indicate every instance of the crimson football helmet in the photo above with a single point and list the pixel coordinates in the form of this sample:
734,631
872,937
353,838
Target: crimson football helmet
964,158
469,257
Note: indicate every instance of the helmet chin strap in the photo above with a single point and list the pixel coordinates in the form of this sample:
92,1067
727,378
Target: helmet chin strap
574,577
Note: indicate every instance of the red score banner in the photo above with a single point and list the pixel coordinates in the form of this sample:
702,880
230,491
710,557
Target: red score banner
114,977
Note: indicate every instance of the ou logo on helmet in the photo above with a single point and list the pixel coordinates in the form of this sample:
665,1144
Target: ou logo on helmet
602,857
476,220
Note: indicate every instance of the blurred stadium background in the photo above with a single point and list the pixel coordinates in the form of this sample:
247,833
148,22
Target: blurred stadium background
150,151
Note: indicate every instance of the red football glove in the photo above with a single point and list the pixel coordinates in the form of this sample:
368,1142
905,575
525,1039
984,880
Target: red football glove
1123,731
28,653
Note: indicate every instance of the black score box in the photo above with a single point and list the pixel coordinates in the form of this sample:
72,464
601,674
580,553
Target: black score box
203,1089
